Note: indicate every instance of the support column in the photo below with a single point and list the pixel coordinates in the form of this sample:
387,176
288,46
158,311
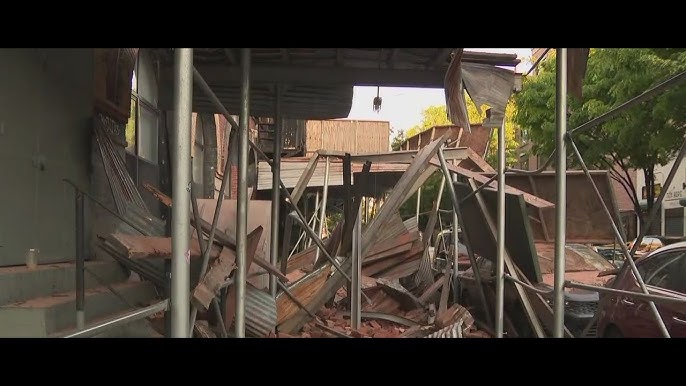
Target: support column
500,256
181,179
276,193
561,195
242,216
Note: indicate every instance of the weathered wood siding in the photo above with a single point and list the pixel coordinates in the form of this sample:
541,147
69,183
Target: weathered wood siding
348,135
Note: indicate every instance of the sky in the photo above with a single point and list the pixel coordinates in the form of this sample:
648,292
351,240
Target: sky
403,106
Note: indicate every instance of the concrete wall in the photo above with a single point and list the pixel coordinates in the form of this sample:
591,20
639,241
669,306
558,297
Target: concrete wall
46,103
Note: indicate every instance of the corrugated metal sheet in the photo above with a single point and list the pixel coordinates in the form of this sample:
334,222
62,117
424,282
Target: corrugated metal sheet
260,312
348,135
452,331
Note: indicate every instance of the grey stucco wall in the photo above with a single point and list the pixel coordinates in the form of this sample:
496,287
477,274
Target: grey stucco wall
46,103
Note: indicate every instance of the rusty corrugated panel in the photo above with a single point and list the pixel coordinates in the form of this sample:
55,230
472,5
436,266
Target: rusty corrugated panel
454,93
260,312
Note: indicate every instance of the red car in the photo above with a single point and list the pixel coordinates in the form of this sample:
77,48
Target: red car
664,272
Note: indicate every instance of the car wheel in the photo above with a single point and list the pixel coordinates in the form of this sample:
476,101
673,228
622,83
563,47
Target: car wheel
612,332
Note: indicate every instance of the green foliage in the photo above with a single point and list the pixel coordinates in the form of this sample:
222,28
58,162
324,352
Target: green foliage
640,138
398,140
511,143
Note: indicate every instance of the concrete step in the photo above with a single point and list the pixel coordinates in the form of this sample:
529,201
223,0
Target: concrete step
44,316
19,283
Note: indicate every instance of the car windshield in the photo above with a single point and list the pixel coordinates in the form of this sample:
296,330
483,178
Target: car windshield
578,257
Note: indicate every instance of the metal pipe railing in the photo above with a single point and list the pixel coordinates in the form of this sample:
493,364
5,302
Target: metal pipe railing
120,321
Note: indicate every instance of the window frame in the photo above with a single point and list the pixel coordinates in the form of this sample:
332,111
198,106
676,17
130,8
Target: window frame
142,103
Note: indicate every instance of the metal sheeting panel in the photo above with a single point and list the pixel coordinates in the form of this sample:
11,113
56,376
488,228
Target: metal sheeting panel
260,312
519,241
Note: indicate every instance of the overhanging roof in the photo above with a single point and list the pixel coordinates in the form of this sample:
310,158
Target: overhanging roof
317,82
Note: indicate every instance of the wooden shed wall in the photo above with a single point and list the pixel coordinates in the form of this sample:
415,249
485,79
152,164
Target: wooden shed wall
348,135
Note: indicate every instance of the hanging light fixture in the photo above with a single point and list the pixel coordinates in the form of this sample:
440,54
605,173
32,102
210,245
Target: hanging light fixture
377,101
376,104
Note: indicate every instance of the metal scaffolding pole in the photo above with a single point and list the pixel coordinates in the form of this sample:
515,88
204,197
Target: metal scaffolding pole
618,235
242,216
181,179
419,200
276,194
500,239
355,298
561,193
322,210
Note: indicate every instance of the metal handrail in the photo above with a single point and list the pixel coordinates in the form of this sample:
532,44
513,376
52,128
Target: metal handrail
120,321
80,287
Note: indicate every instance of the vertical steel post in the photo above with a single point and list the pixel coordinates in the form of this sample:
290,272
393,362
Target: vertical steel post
80,262
456,225
419,200
181,179
355,296
242,217
561,196
500,255
276,193
322,210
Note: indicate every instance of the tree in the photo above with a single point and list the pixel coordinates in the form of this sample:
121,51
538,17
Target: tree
398,140
640,138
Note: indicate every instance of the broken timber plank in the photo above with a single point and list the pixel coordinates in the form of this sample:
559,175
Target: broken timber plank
304,290
391,253
445,290
134,246
390,208
218,273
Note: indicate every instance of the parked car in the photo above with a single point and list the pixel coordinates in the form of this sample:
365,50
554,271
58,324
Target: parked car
583,264
664,273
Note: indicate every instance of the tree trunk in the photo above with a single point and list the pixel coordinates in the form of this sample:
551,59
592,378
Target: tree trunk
649,176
